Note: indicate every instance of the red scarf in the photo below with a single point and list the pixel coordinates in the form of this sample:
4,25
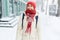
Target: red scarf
30,13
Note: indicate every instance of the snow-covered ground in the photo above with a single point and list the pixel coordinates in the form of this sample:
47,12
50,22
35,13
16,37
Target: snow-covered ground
49,29
8,33
52,28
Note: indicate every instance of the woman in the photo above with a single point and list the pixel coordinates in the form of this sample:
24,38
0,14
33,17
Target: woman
30,13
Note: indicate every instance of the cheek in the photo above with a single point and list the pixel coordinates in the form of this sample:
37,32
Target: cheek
32,8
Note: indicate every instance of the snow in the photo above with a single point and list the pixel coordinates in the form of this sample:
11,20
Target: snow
51,27
7,33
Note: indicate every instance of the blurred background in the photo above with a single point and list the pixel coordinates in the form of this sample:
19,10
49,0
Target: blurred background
9,8
49,18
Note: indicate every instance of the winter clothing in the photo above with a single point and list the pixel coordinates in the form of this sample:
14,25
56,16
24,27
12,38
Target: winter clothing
30,16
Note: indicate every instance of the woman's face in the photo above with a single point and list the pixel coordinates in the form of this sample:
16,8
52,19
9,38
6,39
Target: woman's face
30,7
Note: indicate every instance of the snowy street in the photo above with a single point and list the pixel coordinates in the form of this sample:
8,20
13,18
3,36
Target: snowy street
48,26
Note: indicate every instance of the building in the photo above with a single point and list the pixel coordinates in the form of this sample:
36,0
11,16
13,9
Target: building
9,9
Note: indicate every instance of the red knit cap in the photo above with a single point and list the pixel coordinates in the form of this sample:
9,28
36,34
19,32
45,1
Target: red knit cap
32,3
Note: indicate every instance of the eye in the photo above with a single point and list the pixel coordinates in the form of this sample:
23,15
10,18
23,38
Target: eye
30,5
